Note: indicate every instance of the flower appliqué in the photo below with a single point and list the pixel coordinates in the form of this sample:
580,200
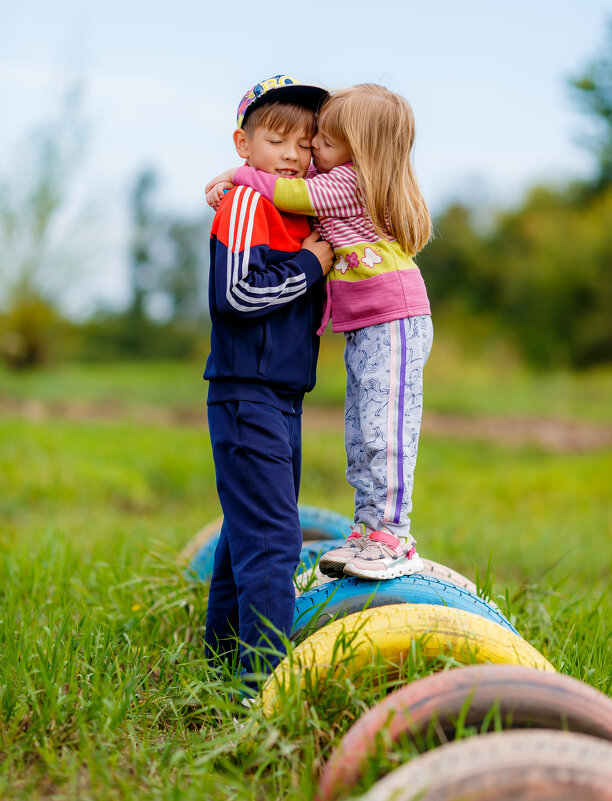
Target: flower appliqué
348,262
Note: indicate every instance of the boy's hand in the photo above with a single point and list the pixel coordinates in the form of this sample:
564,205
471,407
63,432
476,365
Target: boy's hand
224,178
215,195
321,249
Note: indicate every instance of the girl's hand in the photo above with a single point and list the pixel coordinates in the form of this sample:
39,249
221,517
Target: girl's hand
321,249
225,177
215,195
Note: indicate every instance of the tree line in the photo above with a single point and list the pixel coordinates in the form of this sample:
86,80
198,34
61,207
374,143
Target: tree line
538,275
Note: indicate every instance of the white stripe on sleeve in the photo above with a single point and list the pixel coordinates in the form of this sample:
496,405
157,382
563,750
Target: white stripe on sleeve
237,289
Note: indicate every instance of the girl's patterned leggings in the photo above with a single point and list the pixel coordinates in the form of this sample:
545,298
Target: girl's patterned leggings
384,404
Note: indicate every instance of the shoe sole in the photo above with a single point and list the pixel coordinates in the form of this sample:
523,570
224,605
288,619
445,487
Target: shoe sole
333,569
332,566
415,565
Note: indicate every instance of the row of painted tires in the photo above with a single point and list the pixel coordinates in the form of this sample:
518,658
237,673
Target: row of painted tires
320,600
563,752
440,609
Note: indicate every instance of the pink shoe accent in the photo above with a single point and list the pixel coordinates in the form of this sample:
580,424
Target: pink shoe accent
354,534
386,539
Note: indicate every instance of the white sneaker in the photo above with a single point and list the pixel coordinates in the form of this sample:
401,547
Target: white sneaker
332,563
384,557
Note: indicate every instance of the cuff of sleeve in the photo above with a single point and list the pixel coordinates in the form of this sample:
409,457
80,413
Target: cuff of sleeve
311,266
261,182
241,175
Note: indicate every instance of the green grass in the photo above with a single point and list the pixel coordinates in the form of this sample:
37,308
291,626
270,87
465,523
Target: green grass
121,383
489,382
103,689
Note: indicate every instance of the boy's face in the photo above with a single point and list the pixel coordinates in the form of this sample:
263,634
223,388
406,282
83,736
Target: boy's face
284,154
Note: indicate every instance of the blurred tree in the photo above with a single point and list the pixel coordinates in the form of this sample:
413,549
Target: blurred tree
144,221
593,92
541,275
168,268
142,265
32,264
555,287
186,277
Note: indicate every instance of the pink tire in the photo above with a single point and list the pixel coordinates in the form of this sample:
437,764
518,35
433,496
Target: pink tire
520,696
505,766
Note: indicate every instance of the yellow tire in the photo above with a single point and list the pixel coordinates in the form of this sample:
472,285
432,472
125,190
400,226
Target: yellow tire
350,643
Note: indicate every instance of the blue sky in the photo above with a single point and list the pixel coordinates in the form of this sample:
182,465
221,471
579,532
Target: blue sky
487,81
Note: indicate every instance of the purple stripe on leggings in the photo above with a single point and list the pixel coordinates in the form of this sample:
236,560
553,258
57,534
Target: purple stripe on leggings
400,425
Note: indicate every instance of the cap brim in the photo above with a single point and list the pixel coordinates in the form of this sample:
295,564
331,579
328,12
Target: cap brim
301,94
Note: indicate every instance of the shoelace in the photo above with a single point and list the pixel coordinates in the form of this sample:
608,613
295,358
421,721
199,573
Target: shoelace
377,550
358,543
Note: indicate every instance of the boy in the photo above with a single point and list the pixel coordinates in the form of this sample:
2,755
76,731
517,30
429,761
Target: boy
265,296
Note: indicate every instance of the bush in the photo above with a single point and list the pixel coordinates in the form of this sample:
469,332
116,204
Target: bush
541,274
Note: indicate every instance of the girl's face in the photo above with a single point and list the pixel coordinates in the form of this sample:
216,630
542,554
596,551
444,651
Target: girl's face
328,152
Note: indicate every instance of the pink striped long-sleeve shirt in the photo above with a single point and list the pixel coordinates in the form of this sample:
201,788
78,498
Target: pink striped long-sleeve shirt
373,280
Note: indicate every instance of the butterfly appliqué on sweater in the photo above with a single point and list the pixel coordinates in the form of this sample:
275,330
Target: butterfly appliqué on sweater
371,258
342,265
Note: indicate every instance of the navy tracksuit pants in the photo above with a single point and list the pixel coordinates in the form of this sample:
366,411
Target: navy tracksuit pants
257,454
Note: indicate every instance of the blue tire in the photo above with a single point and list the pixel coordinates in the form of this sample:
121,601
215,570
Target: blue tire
321,529
202,563
312,551
318,606
322,524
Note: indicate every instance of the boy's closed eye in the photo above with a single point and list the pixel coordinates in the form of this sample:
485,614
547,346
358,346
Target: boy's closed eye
303,145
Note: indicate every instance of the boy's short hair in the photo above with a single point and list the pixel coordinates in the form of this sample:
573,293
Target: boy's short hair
276,91
282,117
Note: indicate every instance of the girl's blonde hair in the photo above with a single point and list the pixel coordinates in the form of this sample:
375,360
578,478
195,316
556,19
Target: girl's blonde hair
378,128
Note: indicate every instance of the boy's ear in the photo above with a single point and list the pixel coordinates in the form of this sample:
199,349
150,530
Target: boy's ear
241,143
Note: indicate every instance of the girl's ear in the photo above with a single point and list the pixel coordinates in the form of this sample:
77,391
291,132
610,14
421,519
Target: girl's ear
241,143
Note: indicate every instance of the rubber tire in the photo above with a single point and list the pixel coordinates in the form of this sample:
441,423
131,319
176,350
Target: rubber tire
323,524
203,560
505,766
430,568
521,695
390,632
199,540
318,606
319,527
313,550
439,571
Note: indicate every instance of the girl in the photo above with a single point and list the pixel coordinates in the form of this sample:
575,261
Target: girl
369,207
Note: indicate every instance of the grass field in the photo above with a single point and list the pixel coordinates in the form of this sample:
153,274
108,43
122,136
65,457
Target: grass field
490,382
103,689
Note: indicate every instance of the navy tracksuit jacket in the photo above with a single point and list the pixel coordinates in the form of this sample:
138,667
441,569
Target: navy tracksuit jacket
266,298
